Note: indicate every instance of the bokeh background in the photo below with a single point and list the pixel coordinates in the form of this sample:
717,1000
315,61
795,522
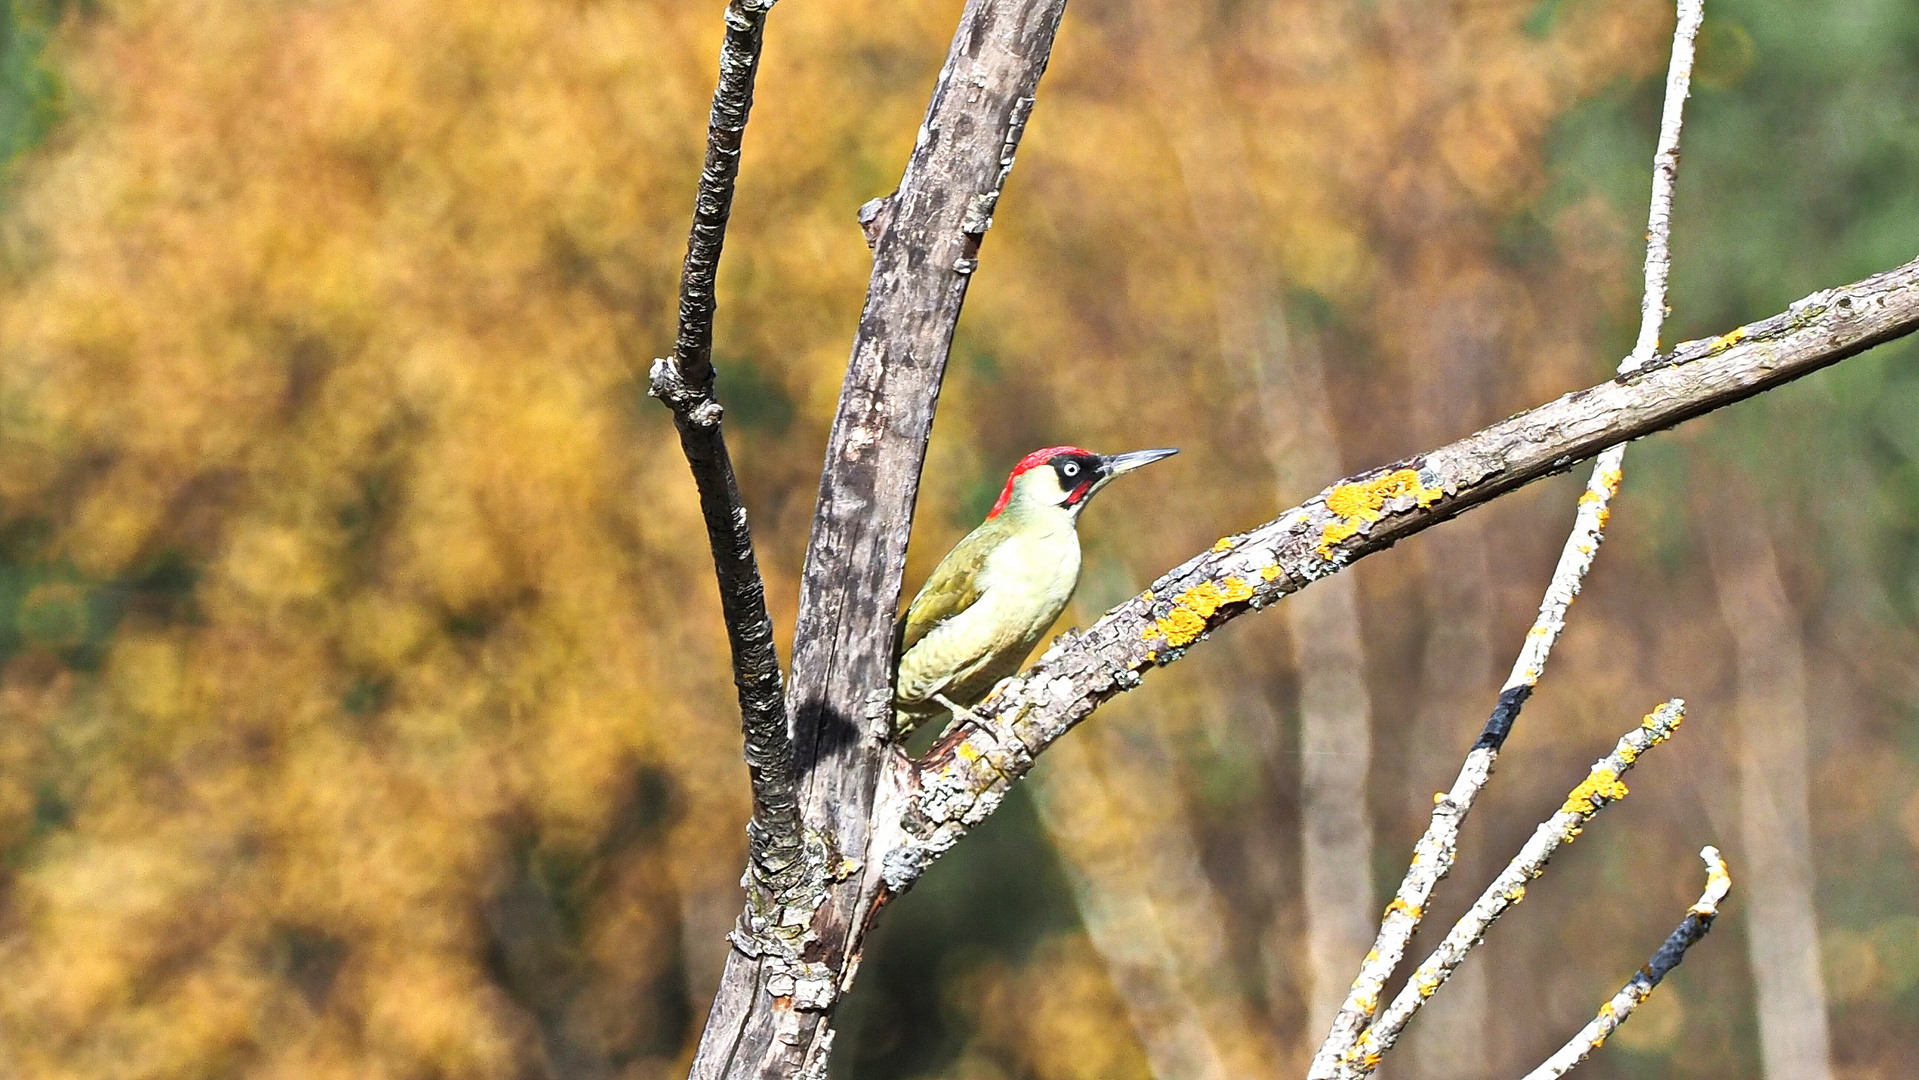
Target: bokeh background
364,708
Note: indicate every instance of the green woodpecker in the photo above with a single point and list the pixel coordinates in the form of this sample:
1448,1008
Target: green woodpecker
993,596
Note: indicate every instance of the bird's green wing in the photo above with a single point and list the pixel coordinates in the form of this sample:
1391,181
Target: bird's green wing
952,588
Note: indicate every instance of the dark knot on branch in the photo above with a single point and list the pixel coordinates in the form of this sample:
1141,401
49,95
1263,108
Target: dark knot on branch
694,404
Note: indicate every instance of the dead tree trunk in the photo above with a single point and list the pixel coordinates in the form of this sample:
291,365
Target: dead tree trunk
1456,669
769,1017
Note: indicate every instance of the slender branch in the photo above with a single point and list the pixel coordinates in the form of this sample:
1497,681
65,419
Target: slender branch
684,382
1665,174
1436,851
1698,920
725,131
966,774
1601,787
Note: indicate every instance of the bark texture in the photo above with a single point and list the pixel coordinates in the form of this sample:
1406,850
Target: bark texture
964,777
684,382
770,1018
1453,1042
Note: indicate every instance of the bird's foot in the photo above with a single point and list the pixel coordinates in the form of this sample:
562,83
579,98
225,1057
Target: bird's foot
960,712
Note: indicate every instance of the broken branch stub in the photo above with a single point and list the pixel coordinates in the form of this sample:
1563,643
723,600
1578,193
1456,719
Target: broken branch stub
1691,929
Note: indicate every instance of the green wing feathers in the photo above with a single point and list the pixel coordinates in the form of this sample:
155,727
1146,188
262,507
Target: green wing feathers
952,589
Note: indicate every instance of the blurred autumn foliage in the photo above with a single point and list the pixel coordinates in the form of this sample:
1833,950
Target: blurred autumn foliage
364,708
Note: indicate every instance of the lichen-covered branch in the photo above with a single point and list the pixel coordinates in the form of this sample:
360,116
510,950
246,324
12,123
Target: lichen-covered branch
1601,787
684,382
1698,920
966,774
1436,851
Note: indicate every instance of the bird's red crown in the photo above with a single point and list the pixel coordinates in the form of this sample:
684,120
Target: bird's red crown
1030,461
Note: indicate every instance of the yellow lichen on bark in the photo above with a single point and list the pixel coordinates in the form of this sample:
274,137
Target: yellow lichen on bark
1602,787
1652,723
1179,627
1354,506
1727,341
1187,620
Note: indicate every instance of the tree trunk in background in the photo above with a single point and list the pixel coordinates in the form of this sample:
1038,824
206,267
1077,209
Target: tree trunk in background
1335,746
1335,709
1109,801
1457,676
1782,926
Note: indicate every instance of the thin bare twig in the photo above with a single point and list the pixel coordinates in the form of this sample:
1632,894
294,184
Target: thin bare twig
1436,851
1601,787
1698,920
684,382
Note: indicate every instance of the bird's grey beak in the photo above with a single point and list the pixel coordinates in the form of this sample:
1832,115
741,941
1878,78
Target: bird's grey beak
1112,465
1117,464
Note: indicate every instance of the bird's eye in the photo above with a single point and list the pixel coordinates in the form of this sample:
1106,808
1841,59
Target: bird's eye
1071,468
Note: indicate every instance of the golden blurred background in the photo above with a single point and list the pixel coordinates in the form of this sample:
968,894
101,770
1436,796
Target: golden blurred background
364,707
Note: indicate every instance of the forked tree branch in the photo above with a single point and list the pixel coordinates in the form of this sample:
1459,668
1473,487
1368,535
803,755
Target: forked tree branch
1698,920
966,774
1436,851
1601,787
770,1017
684,381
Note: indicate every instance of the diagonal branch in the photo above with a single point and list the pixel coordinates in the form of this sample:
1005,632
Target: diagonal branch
1698,920
1434,855
684,381
964,777
1601,787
